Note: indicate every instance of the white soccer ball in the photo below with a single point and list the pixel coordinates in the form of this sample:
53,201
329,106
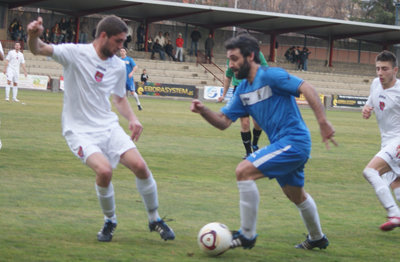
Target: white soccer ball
214,238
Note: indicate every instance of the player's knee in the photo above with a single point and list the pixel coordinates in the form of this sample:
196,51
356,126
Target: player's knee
104,172
242,172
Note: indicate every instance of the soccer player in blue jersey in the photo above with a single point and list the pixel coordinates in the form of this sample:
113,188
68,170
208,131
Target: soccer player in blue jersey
268,95
131,67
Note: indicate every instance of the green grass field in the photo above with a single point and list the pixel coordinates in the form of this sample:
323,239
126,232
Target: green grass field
49,210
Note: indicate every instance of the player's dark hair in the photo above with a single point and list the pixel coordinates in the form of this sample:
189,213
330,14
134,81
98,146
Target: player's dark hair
111,25
387,56
246,44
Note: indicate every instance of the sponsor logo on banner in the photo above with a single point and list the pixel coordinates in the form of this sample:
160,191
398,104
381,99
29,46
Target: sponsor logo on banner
160,89
301,100
348,101
38,82
215,92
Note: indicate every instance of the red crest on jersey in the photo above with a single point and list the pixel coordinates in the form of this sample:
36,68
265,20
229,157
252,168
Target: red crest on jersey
98,76
80,152
382,105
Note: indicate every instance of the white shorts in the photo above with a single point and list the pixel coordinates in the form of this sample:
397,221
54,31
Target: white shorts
12,76
111,143
389,154
389,177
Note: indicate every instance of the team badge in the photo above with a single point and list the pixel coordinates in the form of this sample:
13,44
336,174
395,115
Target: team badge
382,105
98,76
80,152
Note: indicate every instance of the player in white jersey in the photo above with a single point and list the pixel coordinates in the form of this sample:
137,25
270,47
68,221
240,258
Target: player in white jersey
92,74
14,59
384,167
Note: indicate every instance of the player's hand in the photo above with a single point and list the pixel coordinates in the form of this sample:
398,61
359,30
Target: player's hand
130,75
197,106
220,99
327,133
35,28
367,111
136,128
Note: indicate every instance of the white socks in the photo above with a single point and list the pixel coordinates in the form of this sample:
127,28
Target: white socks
15,92
148,190
382,192
309,213
249,200
107,201
7,92
136,98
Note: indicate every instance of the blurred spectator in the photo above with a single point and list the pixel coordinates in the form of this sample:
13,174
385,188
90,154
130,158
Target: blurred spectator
63,27
150,44
12,29
56,32
157,48
169,49
144,77
46,37
209,45
83,31
20,34
195,36
71,33
179,48
160,38
304,58
140,35
166,38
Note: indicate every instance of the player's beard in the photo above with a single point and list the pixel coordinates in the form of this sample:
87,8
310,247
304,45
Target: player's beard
243,70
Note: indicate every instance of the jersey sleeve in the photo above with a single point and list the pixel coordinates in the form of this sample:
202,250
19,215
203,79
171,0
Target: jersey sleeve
234,108
64,54
284,83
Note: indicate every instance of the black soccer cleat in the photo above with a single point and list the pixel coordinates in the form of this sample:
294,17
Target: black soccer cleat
106,233
163,229
239,240
140,107
310,244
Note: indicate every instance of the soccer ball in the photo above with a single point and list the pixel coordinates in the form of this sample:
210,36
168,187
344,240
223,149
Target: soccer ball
214,238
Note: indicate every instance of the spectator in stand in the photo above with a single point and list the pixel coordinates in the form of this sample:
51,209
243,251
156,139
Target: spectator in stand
83,31
179,48
160,38
140,35
150,44
209,45
63,27
144,77
47,37
169,49
56,31
289,54
157,48
195,36
20,34
71,33
304,58
12,29
297,57
167,37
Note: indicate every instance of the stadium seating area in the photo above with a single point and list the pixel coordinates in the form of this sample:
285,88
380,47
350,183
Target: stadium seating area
344,79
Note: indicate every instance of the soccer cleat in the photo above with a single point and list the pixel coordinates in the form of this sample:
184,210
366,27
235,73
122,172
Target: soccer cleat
7,99
255,148
390,224
16,100
163,229
310,244
239,240
140,107
106,233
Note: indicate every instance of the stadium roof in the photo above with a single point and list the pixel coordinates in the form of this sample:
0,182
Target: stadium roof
216,17
213,17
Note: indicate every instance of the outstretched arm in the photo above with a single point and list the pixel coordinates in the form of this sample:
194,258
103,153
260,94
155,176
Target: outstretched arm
218,120
227,83
37,46
326,128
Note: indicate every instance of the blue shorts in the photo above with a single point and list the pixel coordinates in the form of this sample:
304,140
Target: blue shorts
130,86
282,160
